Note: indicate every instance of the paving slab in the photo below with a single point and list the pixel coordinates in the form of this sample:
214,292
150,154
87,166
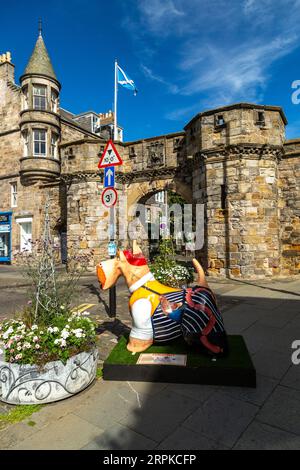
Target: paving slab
260,336
258,395
241,317
111,407
186,439
272,363
280,316
222,418
195,391
292,377
119,437
160,414
282,410
260,436
73,434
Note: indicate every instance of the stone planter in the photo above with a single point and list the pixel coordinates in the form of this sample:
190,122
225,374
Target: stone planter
28,384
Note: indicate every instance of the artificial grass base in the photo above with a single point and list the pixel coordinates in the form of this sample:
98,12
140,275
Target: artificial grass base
235,369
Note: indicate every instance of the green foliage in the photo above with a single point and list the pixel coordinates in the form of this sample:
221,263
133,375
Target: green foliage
167,270
36,344
99,372
18,413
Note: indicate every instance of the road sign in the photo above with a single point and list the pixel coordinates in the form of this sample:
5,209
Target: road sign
112,249
110,156
109,197
109,176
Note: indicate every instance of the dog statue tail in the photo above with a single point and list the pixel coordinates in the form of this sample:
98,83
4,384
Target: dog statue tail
201,280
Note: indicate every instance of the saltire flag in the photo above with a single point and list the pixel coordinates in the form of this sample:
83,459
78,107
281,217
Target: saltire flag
125,80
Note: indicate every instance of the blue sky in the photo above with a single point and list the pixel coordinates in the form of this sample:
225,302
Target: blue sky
184,56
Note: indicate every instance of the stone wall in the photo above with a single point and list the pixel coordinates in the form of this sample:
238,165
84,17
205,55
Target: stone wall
236,177
289,205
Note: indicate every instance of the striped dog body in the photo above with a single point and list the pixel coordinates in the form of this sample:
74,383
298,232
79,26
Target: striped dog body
201,321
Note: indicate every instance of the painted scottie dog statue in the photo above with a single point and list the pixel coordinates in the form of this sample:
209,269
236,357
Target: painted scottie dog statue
161,313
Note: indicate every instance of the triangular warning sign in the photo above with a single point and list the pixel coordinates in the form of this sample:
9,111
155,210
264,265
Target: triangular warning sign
110,156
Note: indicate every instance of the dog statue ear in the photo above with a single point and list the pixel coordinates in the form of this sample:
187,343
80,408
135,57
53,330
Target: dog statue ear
135,248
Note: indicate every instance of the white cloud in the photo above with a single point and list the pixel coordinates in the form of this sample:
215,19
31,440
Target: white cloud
149,74
237,72
158,14
219,51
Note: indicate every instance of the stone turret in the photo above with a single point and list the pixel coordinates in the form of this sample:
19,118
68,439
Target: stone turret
40,119
236,150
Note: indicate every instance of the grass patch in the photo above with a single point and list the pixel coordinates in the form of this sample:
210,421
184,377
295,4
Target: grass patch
18,413
237,358
99,372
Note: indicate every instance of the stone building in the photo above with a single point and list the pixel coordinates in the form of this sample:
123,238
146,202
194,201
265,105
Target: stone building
234,160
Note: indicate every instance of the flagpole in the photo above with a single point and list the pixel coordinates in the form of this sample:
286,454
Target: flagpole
115,102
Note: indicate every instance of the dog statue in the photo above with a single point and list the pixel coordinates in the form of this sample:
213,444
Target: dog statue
161,313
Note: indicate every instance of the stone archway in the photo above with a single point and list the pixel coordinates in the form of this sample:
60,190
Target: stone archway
139,192
139,189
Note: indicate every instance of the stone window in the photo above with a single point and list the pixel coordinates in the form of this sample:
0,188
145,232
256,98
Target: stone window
132,153
260,118
14,194
25,97
219,120
223,196
54,100
39,97
39,142
25,136
54,140
160,197
176,143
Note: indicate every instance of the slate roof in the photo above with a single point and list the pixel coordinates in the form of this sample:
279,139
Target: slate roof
39,62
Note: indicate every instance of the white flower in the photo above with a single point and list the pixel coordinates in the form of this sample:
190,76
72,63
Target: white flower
62,307
19,348
65,333
26,346
18,356
55,329
50,329
7,332
35,339
85,313
37,346
34,327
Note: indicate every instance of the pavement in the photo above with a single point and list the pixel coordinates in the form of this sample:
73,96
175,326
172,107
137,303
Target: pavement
140,415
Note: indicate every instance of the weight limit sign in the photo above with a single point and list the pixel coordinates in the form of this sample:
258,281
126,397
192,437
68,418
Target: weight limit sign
109,197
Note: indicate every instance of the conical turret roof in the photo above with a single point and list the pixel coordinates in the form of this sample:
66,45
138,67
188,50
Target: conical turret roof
39,62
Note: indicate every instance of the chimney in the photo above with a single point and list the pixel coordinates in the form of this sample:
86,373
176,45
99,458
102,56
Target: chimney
7,69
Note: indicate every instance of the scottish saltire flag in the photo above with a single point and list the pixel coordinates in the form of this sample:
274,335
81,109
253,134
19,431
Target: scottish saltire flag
125,80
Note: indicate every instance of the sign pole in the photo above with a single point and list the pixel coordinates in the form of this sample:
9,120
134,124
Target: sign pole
112,290
108,160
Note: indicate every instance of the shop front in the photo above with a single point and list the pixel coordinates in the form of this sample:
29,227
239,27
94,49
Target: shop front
5,237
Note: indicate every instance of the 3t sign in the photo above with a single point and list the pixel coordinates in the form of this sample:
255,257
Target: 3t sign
109,197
